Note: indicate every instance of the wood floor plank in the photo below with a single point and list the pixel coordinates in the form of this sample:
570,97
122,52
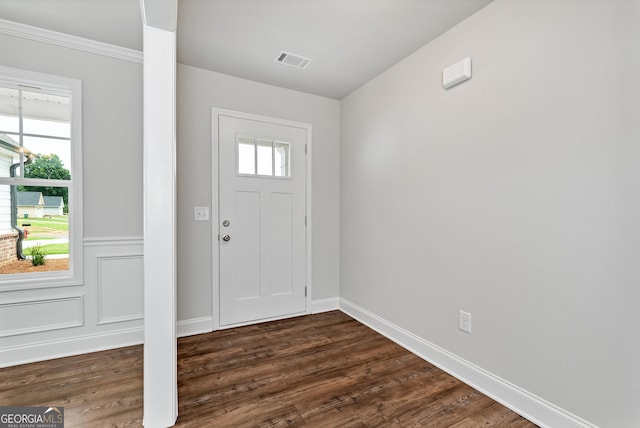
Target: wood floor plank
93,388
323,370
494,416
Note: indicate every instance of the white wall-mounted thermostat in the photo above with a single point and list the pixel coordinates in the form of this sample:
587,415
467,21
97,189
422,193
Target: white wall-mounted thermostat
457,73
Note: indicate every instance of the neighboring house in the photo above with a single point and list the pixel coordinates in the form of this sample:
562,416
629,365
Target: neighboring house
8,237
30,204
8,149
53,205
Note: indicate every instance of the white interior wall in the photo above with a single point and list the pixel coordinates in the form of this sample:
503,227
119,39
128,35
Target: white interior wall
198,91
106,310
514,196
112,129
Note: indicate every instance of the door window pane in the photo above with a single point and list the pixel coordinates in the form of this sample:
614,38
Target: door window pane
246,156
265,157
281,159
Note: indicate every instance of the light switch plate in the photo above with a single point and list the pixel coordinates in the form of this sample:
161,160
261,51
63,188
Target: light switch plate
201,213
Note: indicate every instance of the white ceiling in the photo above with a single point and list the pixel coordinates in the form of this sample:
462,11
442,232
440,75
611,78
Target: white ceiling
350,41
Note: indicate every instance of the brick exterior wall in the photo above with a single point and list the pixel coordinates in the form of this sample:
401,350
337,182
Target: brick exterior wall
8,247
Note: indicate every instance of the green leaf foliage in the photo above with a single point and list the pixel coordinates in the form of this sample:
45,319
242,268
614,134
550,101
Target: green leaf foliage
38,255
51,168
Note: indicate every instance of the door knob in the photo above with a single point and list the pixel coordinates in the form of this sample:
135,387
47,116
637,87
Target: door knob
226,238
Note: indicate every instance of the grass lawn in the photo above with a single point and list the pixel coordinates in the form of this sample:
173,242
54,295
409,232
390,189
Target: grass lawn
51,249
43,228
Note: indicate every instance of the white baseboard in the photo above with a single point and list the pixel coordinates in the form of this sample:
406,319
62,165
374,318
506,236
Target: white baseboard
194,326
324,305
534,408
48,350
530,406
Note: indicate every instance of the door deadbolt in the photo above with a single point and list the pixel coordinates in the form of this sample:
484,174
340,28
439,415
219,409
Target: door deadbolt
226,223
226,238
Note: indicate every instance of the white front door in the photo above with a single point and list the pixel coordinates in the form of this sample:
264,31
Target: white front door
262,224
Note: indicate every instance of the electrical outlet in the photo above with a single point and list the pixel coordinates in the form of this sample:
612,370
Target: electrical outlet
464,321
201,213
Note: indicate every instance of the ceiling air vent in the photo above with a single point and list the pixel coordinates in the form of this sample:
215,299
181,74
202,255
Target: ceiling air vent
293,60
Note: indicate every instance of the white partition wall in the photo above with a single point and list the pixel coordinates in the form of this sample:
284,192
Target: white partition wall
160,383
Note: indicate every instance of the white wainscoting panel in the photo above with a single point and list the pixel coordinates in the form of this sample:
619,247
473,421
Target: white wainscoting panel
32,316
120,291
114,276
104,311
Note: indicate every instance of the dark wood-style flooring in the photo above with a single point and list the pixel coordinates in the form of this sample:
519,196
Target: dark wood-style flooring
323,370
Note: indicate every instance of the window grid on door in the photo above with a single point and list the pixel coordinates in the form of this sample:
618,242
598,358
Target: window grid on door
265,157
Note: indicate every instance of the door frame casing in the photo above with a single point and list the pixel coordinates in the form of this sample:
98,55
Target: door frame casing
215,209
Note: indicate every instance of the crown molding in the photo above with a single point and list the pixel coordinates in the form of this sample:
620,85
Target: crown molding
68,41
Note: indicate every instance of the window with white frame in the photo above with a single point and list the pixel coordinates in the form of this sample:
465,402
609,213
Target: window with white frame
40,180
